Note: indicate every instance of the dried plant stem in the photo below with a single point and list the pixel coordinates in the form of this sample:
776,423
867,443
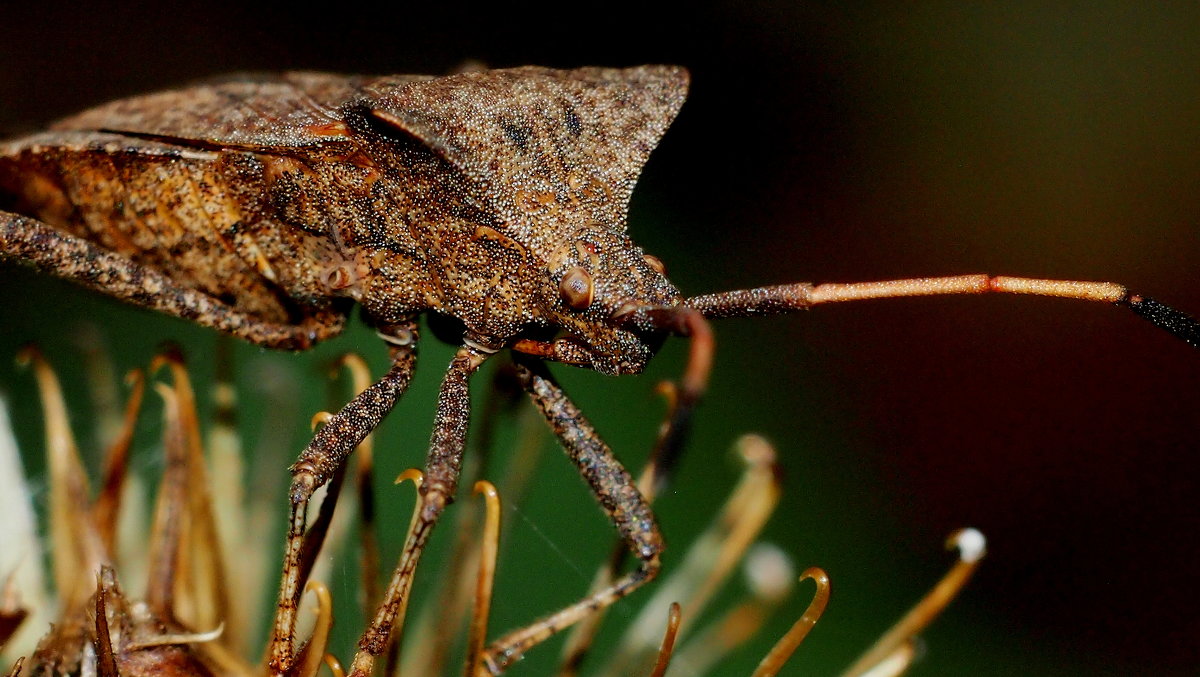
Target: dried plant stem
489,546
783,649
971,548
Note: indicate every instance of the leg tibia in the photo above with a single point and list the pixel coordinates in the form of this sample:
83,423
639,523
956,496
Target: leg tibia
617,494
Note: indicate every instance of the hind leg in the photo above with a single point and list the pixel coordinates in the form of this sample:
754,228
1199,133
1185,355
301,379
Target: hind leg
75,259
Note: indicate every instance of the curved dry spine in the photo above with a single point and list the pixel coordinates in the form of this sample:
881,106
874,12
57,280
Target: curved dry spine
116,470
667,648
319,419
178,638
315,649
971,547
489,546
786,646
203,596
75,542
389,620
712,556
106,661
648,481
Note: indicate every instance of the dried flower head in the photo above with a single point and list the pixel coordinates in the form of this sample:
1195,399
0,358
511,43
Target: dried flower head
186,600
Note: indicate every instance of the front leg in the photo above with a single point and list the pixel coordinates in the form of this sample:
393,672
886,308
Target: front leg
618,496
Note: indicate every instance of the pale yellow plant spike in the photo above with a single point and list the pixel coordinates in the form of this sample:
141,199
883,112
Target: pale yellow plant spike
971,547
178,638
203,596
100,375
770,576
231,514
22,584
896,663
75,542
315,649
116,463
170,514
712,556
364,482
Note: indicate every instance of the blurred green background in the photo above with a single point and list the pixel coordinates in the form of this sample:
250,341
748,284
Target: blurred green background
819,143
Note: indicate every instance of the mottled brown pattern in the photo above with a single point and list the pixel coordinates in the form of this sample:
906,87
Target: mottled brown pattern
263,206
286,196
253,110
57,253
266,206
346,430
147,202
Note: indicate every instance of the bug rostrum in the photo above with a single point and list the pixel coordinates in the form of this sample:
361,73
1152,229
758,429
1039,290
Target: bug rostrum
267,207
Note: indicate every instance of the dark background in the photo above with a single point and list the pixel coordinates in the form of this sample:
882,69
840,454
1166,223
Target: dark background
819,143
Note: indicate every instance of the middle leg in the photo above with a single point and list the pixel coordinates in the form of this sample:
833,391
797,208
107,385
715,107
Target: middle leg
442,468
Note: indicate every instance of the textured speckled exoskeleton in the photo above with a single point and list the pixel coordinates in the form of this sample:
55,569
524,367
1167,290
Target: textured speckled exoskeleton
266,207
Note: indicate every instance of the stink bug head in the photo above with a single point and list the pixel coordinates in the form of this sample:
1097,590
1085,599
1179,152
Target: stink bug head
514,187
594,279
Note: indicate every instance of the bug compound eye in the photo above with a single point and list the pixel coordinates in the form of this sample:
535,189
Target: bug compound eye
576,289
655,263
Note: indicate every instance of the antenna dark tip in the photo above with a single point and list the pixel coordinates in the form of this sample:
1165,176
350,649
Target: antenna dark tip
1165,317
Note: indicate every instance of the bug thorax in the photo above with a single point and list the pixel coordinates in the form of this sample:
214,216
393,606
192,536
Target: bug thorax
592,278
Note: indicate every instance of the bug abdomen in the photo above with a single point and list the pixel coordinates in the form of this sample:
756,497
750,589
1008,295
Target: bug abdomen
162,206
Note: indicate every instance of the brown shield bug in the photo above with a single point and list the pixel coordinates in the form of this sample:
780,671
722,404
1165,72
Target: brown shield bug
267,207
